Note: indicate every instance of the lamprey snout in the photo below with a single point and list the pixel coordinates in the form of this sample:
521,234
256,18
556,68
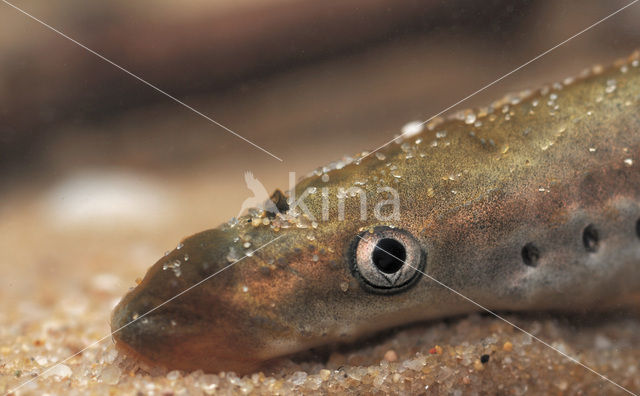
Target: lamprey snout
168,321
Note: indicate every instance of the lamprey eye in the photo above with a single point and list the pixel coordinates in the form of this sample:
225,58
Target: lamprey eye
387,260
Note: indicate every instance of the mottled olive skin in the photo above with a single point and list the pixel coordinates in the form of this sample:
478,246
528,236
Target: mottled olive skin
537,172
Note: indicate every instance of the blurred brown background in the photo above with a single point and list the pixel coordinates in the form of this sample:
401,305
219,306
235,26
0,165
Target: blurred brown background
100,174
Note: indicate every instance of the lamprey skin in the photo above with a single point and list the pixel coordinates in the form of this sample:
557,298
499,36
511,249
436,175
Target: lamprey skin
532,203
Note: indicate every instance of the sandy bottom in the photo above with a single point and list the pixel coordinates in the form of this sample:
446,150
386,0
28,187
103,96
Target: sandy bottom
472,355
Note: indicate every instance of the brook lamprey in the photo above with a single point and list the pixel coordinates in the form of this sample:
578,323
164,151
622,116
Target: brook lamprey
531,203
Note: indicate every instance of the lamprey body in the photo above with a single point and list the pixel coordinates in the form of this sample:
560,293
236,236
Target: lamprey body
532,203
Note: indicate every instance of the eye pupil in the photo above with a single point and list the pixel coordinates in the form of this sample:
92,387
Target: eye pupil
378,258
389,255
